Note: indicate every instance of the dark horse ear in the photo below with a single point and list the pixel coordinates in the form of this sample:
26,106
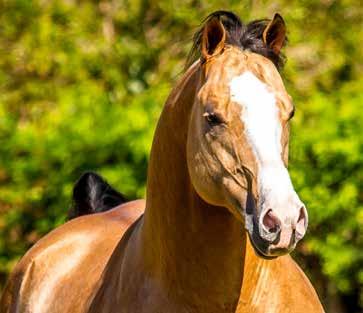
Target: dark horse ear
213,38
274,35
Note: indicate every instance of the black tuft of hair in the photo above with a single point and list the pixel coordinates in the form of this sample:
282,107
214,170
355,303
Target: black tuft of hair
246,36
92,194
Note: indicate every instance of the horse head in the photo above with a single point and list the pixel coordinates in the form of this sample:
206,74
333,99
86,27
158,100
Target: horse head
237,147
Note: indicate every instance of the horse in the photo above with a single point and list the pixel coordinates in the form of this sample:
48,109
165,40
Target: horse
221,215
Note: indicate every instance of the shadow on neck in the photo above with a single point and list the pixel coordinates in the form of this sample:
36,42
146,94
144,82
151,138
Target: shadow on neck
195,248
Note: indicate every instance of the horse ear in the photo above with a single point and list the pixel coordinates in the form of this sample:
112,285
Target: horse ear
274,35
213,38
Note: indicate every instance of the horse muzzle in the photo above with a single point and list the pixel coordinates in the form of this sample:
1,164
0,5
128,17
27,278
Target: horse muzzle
281,231
276,232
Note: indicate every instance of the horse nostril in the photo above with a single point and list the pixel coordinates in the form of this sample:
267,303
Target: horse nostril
301,223
271,222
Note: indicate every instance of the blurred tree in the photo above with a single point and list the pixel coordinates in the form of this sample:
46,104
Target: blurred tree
82,84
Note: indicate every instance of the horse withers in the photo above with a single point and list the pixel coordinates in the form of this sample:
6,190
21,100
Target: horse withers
221,213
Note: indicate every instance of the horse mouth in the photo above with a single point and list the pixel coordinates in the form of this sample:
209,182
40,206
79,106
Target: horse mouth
259,251
266,250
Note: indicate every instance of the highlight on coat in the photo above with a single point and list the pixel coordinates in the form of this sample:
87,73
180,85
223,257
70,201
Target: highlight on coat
221,215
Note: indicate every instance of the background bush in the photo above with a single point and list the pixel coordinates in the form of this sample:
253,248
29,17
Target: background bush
82,84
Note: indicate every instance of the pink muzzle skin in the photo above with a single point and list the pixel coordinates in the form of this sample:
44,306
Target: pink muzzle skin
281,230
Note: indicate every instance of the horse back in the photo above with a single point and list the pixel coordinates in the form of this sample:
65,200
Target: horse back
61,270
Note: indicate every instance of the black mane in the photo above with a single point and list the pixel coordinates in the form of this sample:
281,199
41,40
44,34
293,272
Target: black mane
92,194
246,36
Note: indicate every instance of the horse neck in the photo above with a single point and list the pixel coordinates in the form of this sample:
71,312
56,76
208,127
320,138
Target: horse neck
190,245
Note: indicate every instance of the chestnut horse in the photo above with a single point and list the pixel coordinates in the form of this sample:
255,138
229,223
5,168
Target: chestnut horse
221,214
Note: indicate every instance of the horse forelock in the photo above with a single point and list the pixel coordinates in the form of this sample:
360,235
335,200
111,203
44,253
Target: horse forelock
247,37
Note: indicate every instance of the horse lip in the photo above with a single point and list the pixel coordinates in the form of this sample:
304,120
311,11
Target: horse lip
257,241
259,252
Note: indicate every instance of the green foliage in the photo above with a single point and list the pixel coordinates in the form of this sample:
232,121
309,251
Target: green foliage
82,85
327,158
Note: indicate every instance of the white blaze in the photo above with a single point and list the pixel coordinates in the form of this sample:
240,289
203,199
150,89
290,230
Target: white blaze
260,115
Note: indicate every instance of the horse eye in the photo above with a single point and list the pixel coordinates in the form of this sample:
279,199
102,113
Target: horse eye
213,118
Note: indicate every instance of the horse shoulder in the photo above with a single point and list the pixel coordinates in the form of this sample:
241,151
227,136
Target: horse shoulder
296,289
278,286
62,268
